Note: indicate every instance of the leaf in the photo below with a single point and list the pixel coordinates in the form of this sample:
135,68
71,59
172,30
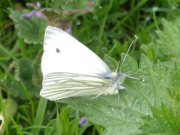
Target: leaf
22,85
168,41
15,88
138,98
31,29
151,50
117,49
166,46
157,80
124,115
24,71
111,62
165,118
128,64
164,121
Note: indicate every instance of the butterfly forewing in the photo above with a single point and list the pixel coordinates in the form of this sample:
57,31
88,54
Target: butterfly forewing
61,85
63,53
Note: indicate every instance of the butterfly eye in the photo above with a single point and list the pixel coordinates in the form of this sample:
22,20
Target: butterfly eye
57,50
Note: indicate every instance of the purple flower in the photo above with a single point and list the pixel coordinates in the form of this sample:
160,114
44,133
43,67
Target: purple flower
38,4
83,122
36,12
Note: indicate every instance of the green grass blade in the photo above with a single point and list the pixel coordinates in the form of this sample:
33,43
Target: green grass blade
39,116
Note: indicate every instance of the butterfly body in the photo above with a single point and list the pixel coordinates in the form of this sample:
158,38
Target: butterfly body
70,69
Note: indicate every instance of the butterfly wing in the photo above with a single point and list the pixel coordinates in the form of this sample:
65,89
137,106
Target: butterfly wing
63,53
63,85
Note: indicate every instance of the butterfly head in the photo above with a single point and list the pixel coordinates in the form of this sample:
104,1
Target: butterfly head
117,79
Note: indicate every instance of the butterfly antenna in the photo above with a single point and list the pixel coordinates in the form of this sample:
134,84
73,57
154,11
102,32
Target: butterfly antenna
132,43
131,77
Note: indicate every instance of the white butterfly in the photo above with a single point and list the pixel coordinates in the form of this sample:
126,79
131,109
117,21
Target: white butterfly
70,69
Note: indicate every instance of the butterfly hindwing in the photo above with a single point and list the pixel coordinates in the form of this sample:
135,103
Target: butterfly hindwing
61,85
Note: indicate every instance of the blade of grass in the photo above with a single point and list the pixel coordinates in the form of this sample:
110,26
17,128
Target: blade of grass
58,122
17,127
130,14
39,115
103,24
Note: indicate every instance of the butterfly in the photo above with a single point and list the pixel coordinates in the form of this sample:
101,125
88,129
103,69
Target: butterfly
70,69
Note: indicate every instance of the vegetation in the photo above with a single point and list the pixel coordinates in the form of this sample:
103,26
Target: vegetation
107,27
